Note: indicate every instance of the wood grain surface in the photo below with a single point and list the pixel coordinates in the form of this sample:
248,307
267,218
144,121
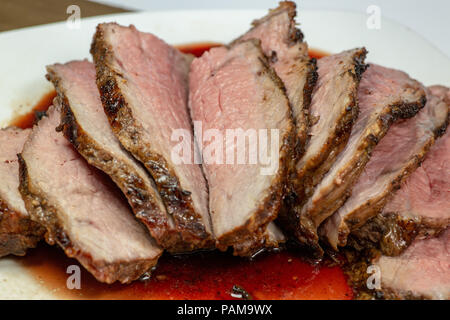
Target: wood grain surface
16,14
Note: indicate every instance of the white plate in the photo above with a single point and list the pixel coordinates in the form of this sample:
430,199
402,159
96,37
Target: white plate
25,53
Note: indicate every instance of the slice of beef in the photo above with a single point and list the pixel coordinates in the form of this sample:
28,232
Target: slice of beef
385,95
82,210
333,110
17,231
235,89
283,44
86,126
143,84
421,272
397,155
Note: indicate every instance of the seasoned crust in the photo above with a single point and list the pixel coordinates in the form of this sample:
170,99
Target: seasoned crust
300,224
178,201
390,232
130,181
302,128
357,217
314,170
45,214
376,205
390,236
335,199
17,233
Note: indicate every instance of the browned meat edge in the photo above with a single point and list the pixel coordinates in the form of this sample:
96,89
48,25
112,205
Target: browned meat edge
252,247
355,267
45,214
338,141
385,234
255,226
302,129
356,262
391,233
301,227
132,186
17,233
178,201
335,200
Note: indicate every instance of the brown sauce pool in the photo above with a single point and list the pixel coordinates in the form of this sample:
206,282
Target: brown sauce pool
27,120
208,275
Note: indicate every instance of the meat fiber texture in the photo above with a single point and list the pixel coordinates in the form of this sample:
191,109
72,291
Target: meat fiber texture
333,110
425,195
85,124
385,95
82,210
422,203
17,231
421,272
235,89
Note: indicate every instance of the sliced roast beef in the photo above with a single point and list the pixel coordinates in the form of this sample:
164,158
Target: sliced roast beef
384,95
81,208
86,126
143,84
397,155
425,195
333,110
422,271
17,231
283,43
245,116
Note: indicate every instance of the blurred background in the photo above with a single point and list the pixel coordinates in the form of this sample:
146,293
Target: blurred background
428,18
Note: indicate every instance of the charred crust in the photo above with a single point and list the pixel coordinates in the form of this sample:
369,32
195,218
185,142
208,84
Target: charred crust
439,132
304,227
387,234
408,110
360,66
178,202
311,80
17,232
366,212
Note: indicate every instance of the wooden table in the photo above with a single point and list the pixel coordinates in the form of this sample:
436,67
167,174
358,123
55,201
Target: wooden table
24,13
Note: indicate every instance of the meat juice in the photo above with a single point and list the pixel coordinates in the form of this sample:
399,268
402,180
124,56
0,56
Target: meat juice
206,275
